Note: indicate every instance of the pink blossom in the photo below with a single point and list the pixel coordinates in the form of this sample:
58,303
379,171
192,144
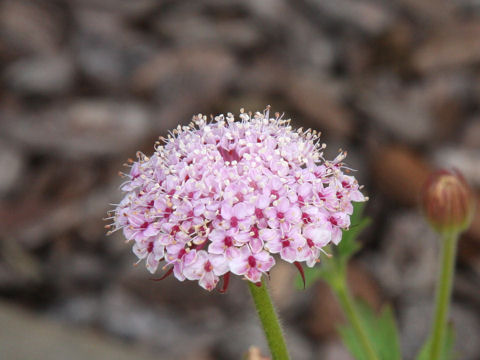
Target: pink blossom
223,196
206,269
252,265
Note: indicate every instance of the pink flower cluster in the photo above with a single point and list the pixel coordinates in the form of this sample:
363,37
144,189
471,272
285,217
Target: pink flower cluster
225,196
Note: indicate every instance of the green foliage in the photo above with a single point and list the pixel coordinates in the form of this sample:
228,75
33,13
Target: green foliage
447,354
381,330
329,267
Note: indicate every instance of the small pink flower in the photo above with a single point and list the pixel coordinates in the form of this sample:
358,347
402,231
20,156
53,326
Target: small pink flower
206,269
283,214
224,242
252,265
287,245
237,216
316,237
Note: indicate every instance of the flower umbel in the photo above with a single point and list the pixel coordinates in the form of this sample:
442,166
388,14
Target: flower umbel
225,196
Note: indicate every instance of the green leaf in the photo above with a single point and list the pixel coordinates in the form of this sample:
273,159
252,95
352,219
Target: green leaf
381,330
447,353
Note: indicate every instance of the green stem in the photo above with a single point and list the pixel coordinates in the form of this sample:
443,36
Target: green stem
444,292
348,305
269,320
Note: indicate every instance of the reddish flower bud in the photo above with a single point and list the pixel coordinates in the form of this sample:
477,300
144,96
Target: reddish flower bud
447,201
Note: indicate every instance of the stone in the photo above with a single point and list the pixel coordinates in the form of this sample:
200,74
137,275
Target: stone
367,16
402,112
78,310
335,351
33,231
416,321
254,353
13,164
399,173
30,27
77,129
467,161
45,76
106,51
179,76
247,332
175,336
407,261
281,279
191,29
321,105
471,134
126,9
450,47
49,340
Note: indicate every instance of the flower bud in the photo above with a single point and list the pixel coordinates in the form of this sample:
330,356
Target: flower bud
447,201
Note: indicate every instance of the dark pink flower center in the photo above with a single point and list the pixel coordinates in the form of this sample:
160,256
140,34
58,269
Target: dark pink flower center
310,243
252,261
306,218
208,266
259,213
285,243
240,196
228,241
275,193
175,229
150,247
229,155
280,215
333,221
234,221
301,201
181,253
168,212
190,214
254,229
144,225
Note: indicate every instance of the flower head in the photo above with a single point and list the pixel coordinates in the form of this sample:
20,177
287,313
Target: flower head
230,196
448,201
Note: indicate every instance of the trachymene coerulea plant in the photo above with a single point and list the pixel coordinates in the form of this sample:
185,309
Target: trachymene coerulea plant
222,196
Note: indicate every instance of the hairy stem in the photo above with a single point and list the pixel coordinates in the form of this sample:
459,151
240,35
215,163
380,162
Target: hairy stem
268,318
443,294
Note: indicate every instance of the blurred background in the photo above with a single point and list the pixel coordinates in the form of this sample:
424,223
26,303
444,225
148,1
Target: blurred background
86,83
